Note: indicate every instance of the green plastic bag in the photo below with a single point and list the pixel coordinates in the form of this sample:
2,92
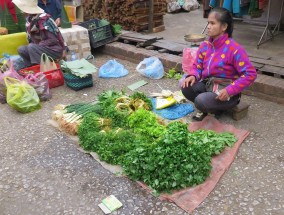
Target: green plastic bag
21,96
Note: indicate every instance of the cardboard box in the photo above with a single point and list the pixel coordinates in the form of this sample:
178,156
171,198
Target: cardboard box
72,2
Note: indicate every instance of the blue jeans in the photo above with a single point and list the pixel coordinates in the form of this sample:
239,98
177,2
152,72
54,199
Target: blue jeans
206,102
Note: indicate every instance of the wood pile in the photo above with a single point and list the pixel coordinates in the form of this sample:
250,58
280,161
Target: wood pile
131,14
92,9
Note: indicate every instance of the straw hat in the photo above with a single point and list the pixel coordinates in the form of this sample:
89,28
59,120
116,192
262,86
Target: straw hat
28,6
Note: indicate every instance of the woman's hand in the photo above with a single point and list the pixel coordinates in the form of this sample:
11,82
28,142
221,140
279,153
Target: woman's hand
58,21
188,81
223,95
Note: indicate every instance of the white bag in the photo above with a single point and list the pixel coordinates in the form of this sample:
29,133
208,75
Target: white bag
151,67
47,63
190,5
173,6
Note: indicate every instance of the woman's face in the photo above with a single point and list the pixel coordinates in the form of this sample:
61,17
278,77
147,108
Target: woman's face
215,28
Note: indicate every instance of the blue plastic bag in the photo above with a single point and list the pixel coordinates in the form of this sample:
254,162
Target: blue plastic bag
173,112
112,69
151,67
17,60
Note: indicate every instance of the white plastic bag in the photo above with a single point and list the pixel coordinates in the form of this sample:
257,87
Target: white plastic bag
191,5
112,69
47,63
173,6
151,67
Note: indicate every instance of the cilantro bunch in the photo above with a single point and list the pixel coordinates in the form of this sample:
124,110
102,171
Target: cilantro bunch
171,163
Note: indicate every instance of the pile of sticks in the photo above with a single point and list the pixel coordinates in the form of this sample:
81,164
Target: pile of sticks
131,14
91,9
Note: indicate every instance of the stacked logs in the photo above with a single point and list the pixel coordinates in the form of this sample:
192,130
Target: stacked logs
131,14
92,9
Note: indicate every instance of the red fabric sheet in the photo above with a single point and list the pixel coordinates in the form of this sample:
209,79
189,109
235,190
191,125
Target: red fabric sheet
11,7
189,199
262,4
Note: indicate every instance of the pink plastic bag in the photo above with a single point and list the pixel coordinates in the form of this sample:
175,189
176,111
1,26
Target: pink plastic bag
188,58
10,73
40,83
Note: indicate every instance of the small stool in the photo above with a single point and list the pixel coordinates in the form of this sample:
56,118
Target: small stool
240,111
3,31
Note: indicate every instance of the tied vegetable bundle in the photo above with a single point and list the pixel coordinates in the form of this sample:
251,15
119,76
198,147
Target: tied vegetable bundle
69,117
113,105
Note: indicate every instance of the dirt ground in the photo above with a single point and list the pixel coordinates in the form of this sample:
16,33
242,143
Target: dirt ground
43,172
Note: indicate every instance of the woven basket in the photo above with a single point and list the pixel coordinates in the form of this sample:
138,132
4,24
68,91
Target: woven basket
76,83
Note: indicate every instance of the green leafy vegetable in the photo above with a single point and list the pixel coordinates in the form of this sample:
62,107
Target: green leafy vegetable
145,122
216,142
172,73
170,163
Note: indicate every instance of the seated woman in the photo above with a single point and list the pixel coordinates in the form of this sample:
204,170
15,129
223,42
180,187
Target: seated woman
43,34
219,57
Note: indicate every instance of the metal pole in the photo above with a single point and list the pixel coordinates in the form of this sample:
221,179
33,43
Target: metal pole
204,28
266,30
151,16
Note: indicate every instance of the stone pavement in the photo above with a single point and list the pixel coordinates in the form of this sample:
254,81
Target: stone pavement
42,172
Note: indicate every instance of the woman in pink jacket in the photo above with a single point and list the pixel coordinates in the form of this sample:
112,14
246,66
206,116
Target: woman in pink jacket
219,57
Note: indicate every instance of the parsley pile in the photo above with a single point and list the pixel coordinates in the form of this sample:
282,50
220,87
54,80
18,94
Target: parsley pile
165,157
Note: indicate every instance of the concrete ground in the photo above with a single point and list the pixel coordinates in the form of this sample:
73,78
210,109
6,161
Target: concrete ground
248,35
42,172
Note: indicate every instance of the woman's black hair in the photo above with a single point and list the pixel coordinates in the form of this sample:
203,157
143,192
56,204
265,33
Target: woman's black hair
225,17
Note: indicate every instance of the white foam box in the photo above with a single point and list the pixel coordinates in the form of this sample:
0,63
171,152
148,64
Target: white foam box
77,39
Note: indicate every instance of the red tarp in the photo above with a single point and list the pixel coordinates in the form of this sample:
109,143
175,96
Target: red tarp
188,199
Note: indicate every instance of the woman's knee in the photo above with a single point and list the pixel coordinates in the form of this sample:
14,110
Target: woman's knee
203,101
22,50
188,93
32,47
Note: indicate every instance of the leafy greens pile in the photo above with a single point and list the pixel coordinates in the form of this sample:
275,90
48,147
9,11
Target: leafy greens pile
165,157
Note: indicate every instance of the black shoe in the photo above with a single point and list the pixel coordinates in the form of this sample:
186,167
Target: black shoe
199,116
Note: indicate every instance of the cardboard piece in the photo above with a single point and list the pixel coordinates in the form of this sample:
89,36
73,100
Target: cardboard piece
75,13
110,204
137,84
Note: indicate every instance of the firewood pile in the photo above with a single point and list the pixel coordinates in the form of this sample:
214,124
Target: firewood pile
131,14
92,9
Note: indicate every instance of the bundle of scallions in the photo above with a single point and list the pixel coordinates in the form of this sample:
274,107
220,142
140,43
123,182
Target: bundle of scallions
69,117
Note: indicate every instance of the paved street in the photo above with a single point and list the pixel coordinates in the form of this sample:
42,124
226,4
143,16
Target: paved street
43,172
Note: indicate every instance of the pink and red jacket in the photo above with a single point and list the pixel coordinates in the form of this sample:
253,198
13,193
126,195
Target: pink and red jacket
224,58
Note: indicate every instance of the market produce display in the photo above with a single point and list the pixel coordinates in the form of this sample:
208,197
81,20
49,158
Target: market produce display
124,131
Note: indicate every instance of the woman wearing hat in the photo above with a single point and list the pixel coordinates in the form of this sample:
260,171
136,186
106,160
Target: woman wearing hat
43,34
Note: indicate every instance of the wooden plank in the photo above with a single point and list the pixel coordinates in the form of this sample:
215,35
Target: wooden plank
170,45
137,36
159,29
259,56
163,51
277,71
257,65
143,40
267,62
149,47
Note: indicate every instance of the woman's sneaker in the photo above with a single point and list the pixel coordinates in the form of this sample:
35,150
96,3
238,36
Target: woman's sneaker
199,116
